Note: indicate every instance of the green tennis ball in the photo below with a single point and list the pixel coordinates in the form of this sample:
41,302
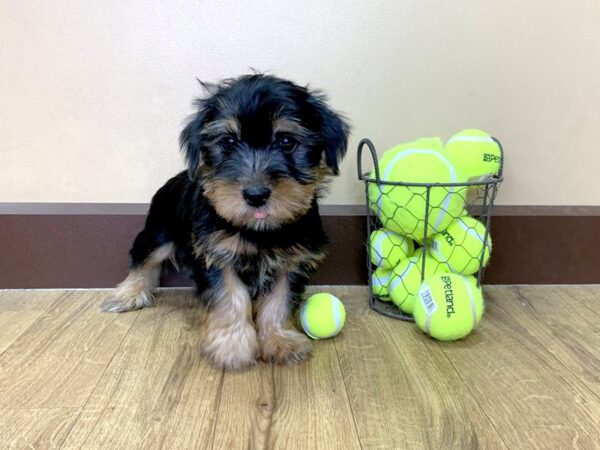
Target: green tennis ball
380,281
461,245
374,191
449,306
475,152
407,279
322,316
402,208
387,248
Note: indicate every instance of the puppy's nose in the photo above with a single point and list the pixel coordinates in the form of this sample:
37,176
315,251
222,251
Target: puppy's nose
256,196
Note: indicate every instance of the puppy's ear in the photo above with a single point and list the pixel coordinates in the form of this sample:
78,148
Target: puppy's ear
190,141
335,130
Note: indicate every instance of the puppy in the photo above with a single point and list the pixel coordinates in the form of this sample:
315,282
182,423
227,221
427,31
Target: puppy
243,218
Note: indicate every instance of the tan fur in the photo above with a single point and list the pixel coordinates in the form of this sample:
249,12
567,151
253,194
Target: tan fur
216,129
277,258
228,335
221,248
226,198
222,126
279,341
287,125
289,200
136,291
293,256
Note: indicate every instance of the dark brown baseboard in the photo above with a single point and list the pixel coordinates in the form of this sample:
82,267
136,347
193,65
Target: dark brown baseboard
85,246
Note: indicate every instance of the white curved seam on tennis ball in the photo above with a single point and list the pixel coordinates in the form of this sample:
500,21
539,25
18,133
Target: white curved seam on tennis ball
436,253
400,278
337,316
378,249
381,281
427,323
470,139
472,301
438,155
410,151
473,232
449,194
380,199
304,320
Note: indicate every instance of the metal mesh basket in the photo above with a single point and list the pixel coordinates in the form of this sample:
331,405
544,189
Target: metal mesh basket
429,202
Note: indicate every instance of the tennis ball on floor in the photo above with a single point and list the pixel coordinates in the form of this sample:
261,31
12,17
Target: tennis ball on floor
406,279
461,245
380,282
449,306
475,152
322,316
387,248
402,208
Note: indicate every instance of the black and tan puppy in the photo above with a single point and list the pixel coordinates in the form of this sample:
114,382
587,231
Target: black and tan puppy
244,216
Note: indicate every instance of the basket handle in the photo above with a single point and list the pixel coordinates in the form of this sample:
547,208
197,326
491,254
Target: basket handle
369,144
501,157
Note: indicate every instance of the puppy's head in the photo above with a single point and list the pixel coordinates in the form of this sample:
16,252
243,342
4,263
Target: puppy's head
261,147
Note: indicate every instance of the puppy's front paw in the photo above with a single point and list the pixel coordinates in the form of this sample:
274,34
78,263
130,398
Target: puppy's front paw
231,348
123,300
134,292
285,347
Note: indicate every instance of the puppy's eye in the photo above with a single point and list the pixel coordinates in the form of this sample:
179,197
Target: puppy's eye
228,141
286,143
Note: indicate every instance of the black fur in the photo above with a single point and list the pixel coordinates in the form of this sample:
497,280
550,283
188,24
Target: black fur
182,213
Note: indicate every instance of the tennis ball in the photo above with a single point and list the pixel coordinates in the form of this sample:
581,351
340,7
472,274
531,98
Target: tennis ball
374,191
380,281
475,152
402,208
461,245
322,316
387,248
449,306
406,279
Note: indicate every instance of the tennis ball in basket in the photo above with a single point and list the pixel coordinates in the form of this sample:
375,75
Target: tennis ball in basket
403,208
380,282
387,248
406,279
322,316
475,152
375,192
461,245
449,306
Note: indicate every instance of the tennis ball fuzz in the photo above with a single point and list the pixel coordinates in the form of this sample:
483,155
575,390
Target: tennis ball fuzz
461,246
322,316
380,282
406,279
474,152
403,209
449,306
376,192
387,248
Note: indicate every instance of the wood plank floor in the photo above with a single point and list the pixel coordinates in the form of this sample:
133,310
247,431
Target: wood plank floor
528,377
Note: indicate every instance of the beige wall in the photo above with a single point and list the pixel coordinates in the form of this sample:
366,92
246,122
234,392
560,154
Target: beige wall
93,93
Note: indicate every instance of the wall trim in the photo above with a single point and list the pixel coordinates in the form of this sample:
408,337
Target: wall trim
28,208
74,245
39,208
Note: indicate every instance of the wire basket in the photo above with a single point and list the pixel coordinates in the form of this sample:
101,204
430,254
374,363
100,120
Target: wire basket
472,198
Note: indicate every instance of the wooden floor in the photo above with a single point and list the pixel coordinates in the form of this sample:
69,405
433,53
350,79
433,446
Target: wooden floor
529,377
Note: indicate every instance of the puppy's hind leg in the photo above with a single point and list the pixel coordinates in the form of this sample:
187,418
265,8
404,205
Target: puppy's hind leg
136,291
